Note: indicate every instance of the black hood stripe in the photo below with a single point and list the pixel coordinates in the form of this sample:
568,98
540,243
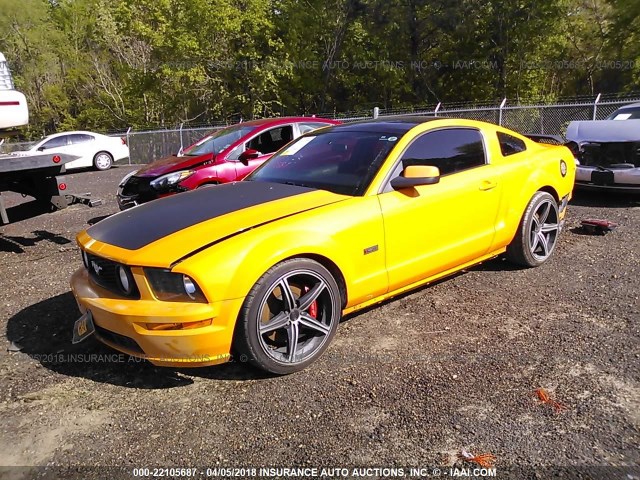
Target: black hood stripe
137,227
235,234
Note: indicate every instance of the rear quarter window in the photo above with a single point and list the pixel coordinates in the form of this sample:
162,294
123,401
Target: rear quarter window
80,138
510,145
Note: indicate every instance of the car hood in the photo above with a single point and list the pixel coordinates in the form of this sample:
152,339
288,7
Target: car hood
172,163
164,231
604,131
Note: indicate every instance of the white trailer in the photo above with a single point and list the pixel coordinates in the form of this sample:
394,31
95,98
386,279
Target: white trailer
38,175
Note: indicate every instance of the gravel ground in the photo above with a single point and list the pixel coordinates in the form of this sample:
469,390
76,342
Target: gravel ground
406,384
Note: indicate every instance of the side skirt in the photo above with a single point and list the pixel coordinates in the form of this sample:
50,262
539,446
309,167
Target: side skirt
423,282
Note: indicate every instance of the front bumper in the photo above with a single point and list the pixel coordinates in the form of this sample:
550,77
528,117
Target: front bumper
122,324
623,180
125,202
135,190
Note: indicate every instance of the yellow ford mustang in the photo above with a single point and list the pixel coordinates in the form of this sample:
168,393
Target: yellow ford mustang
338,220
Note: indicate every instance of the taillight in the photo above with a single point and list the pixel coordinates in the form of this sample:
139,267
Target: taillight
124,140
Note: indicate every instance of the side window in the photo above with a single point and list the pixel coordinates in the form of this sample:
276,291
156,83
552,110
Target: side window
56,142
307,127
510,145
272,140
80,138
451,150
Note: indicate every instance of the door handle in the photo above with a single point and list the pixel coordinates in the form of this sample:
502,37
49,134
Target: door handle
488,185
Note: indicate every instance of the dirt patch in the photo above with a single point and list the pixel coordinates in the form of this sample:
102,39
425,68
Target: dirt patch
408,383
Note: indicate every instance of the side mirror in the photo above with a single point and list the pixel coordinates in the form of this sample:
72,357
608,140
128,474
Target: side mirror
248,154
416,175
41,149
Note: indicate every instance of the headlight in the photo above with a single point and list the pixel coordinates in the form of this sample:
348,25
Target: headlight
170,179
189,287
127,177
125,279
173,287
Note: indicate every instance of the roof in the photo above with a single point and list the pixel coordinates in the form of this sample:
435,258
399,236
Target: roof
398,125
283,120
75,132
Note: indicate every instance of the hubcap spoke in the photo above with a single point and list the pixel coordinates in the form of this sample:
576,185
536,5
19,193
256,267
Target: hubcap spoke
310,322
535,224
292,341
308,298
544,243
549,227
276,323
543,214
535,240
288,298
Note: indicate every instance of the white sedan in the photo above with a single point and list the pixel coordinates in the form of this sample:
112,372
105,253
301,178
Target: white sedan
95,150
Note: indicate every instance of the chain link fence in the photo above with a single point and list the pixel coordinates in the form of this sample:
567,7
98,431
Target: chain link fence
550,119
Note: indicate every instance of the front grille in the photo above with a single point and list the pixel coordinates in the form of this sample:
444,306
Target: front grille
118,340
138,187
103,272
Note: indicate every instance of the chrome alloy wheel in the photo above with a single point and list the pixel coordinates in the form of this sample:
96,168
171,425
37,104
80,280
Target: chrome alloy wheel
544,229
296,317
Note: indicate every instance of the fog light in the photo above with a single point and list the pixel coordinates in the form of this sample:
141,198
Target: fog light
126,283
179,326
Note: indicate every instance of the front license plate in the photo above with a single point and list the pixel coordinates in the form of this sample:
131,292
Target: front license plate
602,178
83,328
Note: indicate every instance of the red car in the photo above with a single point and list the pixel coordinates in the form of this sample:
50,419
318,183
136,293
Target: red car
225,155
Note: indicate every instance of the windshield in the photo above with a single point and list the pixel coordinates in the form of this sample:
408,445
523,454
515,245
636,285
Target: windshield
218,141
342,162
626,114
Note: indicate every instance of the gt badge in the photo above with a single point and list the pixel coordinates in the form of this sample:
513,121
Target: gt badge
372,249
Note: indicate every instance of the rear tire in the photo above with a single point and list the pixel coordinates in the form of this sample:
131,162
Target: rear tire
103,161
537,233
289,317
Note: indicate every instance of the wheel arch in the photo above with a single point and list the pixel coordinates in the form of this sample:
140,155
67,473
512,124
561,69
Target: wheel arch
550,190
517,211
333,269
244,271
103,150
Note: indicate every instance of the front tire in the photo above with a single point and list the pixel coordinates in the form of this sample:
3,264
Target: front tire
538,232
289,317
102,161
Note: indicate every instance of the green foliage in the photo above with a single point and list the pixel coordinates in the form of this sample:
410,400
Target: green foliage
111,64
